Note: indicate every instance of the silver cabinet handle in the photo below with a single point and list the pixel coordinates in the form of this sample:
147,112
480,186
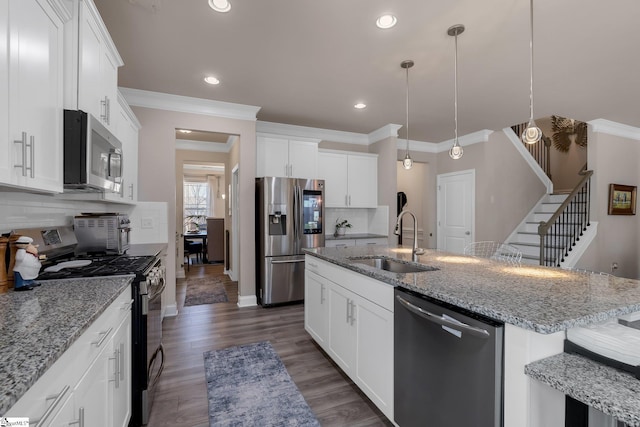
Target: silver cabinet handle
349,199
122,362
311,264
353,312
32,149
58,398
348,307
108,110
116,367
127,306
131,191
22,141
104,337
341,245
103,107
321,294
80,421
477,332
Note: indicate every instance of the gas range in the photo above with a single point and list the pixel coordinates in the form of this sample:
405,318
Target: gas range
95,266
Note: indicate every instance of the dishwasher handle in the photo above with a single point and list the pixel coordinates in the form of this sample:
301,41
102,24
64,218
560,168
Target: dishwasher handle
476,332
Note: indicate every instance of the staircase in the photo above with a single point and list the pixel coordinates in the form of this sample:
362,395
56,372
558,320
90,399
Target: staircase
526,237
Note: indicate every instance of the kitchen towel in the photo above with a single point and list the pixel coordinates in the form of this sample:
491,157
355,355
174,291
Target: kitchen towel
249,386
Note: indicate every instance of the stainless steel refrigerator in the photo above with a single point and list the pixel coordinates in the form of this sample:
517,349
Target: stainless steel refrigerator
289,217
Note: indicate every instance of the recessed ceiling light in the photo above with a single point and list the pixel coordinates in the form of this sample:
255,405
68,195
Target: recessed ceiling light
360,105
386,21
220,5
211,80
184,130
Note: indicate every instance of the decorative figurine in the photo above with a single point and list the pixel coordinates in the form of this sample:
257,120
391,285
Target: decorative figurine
27,264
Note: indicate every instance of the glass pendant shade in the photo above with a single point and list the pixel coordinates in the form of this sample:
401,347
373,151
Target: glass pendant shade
456,151
532,133
407,163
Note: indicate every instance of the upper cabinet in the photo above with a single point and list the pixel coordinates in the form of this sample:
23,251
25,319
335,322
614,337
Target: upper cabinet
127,128
350,179
286,157
92,66
31,68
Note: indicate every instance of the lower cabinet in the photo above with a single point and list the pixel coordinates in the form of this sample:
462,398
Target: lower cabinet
351,317
90,384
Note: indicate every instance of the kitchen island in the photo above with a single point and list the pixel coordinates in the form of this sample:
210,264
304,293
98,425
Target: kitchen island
537,305
38,326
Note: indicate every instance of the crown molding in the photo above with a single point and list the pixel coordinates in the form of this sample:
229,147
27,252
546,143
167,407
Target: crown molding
186,104
434,148
61,10
615,129
311,133
127,110
213,147
388,131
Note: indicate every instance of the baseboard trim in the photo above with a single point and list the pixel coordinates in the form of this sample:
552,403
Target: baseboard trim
171,310
180,274
247,301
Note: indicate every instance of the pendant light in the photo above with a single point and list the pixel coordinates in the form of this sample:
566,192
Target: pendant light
532,133
407,163
456,151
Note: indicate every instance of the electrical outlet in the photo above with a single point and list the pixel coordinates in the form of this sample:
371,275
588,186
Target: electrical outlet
146,223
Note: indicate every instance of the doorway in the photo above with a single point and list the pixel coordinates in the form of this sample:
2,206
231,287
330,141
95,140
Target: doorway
456,210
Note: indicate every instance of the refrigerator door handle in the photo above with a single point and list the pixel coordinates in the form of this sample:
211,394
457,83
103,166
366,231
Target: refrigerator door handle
287,262
427,315
295,212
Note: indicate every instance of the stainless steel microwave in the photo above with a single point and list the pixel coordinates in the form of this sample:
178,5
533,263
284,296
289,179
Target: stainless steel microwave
92,154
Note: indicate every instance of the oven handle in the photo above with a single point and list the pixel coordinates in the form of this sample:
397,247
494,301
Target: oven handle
477,332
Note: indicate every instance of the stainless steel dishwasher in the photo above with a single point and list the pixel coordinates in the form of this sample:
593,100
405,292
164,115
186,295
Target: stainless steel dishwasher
448,365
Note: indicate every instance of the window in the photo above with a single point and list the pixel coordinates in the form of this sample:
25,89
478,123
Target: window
196,203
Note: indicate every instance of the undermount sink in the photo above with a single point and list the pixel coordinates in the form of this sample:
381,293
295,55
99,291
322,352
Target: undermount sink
392,265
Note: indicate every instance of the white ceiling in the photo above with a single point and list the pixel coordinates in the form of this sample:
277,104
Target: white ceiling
307,62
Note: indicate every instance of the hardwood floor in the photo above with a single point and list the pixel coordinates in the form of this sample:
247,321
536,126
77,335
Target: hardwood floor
181,397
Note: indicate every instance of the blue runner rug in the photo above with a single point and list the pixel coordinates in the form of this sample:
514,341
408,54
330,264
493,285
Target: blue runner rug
249,386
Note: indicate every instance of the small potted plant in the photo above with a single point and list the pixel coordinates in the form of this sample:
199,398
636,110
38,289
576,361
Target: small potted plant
341,227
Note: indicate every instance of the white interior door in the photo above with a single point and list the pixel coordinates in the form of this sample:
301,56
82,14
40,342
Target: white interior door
456,210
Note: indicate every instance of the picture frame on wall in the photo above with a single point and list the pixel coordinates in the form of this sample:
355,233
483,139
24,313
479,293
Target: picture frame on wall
622,199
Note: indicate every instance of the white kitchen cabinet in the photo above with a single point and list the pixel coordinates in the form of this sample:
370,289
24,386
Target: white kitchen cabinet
120,375
351,179
316,306
98,62
32,70
81,382
126,128
286,157
357,328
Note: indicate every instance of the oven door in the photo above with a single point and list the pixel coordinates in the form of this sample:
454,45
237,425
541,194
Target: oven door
155,351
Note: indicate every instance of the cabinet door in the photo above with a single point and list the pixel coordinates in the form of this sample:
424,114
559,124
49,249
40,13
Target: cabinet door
332,168
342,333
109,79
66,416
363,181
316,307
90,54
120,374
303,159
374,364
6,145
91,393
35,94
273,157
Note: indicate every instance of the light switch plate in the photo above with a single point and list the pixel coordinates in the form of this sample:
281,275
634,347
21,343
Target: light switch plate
146,223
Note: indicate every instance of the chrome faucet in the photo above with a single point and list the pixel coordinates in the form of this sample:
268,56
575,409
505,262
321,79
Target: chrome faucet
416,250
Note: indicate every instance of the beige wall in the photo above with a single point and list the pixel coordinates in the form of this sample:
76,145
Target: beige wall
564,166
614,160
506,187
387,179
157,175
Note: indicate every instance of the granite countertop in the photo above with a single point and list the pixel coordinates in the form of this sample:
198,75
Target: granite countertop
542,299
609,390
37,326
354,236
